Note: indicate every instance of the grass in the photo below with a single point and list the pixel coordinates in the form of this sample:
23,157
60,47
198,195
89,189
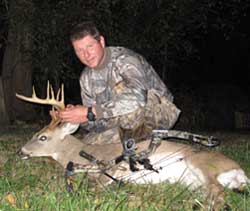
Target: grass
38,184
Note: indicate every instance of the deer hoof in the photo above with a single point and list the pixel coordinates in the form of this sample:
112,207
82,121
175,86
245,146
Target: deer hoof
227,208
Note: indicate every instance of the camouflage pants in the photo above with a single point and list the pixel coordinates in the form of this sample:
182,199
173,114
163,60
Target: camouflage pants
159,113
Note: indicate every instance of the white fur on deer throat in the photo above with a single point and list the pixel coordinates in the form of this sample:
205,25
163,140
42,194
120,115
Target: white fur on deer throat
173,169
55,156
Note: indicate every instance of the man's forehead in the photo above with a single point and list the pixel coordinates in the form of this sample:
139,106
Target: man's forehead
85,40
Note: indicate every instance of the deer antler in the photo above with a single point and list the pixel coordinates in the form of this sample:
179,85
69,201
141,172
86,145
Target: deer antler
49,100
57,103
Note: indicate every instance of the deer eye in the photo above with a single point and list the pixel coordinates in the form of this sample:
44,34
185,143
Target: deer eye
43,138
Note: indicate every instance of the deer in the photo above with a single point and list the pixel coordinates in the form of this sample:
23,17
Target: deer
173,162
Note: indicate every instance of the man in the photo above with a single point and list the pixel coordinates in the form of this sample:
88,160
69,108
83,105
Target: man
119,90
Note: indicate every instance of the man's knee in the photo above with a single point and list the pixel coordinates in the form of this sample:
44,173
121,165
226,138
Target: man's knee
132,120
170,113
160,112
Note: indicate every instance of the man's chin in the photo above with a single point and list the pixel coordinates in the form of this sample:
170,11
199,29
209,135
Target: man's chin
92,64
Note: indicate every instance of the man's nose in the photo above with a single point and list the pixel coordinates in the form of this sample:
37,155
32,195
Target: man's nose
86,54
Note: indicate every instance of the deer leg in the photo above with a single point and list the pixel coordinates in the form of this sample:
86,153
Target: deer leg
216,197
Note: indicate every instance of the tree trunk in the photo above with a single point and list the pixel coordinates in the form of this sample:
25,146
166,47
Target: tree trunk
4,115
17,65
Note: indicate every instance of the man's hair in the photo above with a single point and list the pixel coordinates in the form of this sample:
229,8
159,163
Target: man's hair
84,29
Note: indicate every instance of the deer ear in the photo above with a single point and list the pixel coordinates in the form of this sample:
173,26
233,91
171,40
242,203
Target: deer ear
68,128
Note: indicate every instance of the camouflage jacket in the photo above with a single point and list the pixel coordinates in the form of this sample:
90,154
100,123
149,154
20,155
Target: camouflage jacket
121,66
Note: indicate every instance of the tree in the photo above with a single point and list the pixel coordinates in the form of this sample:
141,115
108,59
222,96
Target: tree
4,117
17,66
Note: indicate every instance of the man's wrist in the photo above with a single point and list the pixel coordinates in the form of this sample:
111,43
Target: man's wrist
90,115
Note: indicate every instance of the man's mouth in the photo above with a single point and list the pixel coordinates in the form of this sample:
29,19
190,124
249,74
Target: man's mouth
91,60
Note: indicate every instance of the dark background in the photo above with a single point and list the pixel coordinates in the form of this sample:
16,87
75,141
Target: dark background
201,50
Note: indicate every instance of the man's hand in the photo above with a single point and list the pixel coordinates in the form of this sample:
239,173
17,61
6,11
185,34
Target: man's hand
74,114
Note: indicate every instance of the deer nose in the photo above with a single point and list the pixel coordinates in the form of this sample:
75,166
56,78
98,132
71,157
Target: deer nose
22,155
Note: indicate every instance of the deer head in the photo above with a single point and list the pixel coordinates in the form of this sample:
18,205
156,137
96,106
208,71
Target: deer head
53,133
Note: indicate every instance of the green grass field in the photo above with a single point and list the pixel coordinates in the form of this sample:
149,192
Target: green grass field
38,184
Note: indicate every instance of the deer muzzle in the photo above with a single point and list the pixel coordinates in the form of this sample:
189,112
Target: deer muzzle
22,154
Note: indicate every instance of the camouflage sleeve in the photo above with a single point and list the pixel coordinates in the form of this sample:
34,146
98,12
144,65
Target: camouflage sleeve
86,95
129,92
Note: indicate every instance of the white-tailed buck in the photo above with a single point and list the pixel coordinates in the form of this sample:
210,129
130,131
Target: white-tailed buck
171,162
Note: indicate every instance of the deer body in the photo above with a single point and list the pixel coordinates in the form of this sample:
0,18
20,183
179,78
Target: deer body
175,162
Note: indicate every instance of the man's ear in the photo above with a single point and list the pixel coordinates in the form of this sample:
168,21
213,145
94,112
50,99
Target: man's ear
102,41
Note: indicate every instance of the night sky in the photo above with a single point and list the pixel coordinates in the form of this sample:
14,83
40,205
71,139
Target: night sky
223,61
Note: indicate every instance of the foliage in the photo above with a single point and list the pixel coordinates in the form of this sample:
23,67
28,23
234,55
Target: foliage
166,32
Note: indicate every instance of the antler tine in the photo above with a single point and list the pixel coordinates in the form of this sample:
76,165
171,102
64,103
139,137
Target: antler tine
48,90
33,92
51,92
62,94
59,98
60,91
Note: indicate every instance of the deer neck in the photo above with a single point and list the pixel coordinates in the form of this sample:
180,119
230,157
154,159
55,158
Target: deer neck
69,151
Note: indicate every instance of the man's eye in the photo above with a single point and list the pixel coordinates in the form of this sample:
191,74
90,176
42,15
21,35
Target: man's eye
79,51
92,45
43,138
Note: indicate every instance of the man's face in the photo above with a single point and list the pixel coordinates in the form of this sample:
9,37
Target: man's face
90,51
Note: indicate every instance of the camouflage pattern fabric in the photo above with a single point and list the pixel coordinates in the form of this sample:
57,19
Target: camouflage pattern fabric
121,66
159,113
